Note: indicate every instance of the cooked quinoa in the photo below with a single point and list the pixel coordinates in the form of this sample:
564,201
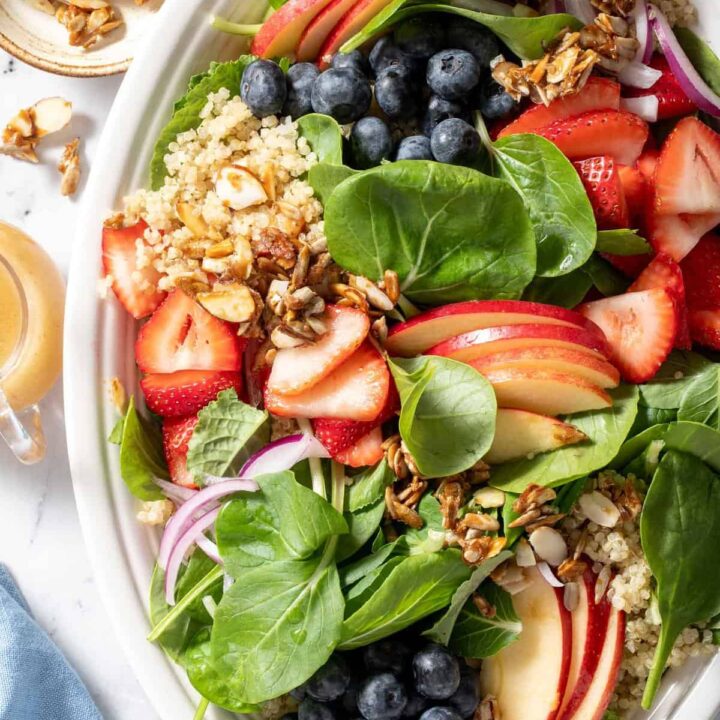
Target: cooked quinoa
678,12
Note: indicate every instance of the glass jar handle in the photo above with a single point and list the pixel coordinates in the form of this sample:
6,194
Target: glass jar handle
22,431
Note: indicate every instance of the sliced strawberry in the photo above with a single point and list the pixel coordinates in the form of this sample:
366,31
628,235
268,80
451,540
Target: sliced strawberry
598,94
177,432
630,265
185,392
182,335
337,435
687,176
356,390
672,100
297,369
637,193
366,451
701,270
705,327
664,272
602,183
640,327
136,289
647,163
677,235
616,133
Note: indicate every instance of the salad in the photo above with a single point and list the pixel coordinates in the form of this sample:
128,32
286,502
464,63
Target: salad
429,403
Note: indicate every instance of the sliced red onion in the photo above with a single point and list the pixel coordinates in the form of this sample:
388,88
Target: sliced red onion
209,548
552,7
637,75
185,541
643,33
582,10
176,493
645,107
687,76
283,454
199,503
549,575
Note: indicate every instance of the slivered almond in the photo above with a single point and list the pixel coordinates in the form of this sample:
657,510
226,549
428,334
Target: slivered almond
194,223
599,509
50,115
233,302
238,188
549,545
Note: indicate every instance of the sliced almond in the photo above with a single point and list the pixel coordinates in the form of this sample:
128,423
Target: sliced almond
45,5
524,555
238,188
489,497
87,4
50,115
233,302
599,509
193,222
549,545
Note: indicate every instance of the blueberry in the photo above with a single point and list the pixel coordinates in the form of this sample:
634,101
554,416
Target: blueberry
452,74
386,53
415,147
311,710
300,79
415,705
354,60
370,142
454,141
436,671
262,88
396,92
468,35
330,681
465,699
382,697
387,655
440,713
289,716
298,693
343,94
439,109
420,36
495,102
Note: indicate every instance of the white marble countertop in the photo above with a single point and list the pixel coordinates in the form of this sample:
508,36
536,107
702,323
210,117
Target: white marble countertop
39,530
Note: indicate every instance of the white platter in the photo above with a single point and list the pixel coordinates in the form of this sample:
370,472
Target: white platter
99,339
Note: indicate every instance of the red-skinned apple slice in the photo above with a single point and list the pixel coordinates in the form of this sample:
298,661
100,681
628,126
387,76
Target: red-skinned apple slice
481,343
319,28
432,327
519,433
555,359
529,677
546,393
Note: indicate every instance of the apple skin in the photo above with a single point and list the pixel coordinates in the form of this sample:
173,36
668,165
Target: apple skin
555,359
319,28
479,343
280,33
431,328
519,433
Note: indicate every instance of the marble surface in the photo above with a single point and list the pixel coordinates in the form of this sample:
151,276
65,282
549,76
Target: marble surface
40,537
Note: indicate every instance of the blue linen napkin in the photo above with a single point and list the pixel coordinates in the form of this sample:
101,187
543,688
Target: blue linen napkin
36,681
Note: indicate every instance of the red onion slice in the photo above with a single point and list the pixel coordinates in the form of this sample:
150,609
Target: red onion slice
552,7
582,10
645,107
209,548
283,454
637,75
643,33
687,76
177,493
549,575
183,544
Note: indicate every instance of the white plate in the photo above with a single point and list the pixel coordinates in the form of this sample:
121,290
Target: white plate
99,340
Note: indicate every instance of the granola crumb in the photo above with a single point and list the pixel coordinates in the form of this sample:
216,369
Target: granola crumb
69,168
118,395
155,512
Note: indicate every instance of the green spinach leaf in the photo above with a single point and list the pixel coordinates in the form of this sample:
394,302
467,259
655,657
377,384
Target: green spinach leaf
647,417
704,60
324,178
430,537
369,486
605,277
669,386
324,137
350,574
622,242
423,220
701,401
680,532
569,494
567,291
362,525
447,416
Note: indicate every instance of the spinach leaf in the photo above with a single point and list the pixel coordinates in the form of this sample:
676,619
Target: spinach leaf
430,537
141,455
669,386
704,60
324,137
362,525
701,401
606,429
447,416
477,636
186,113
350,574
419,586
227,433
369,486
647,417
567,291
284,521
421,219
622,242
512,535
680,533
569,494
324,178
605,277
559,208
363,590
441,631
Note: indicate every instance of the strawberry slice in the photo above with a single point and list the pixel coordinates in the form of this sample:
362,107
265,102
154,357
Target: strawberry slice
640,327
366,451
177,432
701,270
647,163
337,435
185,392
297,369
672,100
135,288
616,133
664,272
630,265
598,94
357,390
687,176
677,235
705,327
182,335
637,193
603,186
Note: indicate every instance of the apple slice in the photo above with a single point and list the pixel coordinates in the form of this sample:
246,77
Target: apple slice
519,434
319,28
589,628
529,677
488,341
547,393
555,359
434,326
280,33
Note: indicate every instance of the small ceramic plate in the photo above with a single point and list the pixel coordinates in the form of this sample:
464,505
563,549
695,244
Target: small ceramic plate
37,38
